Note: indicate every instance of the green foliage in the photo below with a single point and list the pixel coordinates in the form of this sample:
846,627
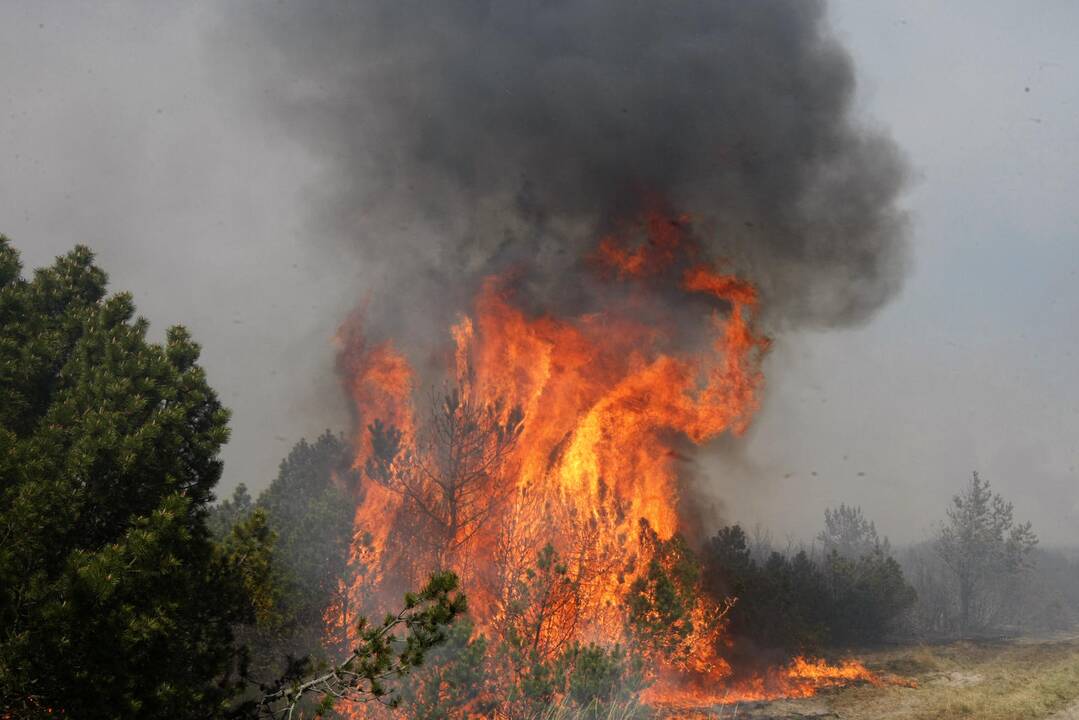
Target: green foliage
786,606
310,508
660,600
452,680
228,513
866,597
537,625
307,510
114,601
384,654
793,603
250,548
588,679
541,610
602,677
540,665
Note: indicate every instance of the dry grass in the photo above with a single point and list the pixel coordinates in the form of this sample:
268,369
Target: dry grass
629,710
986,681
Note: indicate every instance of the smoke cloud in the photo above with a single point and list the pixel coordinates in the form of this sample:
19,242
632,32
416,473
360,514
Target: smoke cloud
466,137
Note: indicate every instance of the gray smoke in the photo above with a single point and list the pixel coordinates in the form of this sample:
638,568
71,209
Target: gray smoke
464,137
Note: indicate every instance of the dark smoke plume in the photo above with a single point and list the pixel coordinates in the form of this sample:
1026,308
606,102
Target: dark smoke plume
463,137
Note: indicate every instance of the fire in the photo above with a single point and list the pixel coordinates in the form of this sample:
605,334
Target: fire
801,677
565,430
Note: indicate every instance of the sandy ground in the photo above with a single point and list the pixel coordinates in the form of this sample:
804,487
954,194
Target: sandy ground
1071,713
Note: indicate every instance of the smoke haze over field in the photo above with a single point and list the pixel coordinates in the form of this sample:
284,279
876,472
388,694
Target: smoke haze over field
254,176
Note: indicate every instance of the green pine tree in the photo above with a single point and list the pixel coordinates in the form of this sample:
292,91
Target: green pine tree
114,599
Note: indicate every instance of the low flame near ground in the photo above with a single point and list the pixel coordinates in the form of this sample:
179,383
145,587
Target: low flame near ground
802,677
568,431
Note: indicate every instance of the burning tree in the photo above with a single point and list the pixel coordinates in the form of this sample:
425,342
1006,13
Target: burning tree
668,616
452,480
564,433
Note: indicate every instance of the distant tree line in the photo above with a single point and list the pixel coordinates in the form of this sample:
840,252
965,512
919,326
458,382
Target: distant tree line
983,574
852,592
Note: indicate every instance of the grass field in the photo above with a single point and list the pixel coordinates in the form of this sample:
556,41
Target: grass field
1016,680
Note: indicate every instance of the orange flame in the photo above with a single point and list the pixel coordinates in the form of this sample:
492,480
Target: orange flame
607,398
801,677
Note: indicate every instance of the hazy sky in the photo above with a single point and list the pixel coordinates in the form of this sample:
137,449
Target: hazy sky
119,131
